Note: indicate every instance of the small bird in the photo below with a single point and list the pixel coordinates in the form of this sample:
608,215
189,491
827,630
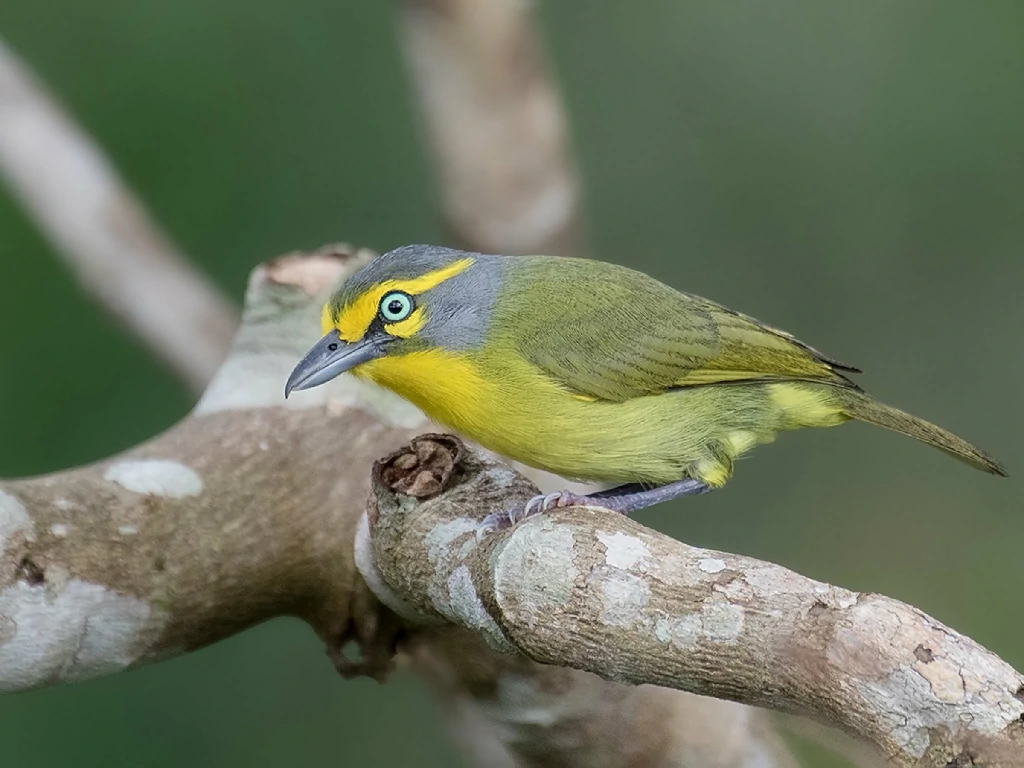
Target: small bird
589,370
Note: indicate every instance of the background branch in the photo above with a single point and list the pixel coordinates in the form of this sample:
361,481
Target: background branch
103,232
552,716
495,124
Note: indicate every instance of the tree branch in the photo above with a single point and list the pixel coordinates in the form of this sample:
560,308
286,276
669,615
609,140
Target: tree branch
591,590
244,511
104,234
495,123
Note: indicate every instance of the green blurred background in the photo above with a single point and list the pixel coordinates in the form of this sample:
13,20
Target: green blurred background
851,172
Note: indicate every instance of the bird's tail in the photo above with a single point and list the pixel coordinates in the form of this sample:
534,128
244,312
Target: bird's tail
865,408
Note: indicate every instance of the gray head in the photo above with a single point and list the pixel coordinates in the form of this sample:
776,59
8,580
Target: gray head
412,298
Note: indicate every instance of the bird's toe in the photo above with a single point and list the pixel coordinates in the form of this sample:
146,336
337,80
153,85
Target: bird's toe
569,499
537,505
553,500
494,522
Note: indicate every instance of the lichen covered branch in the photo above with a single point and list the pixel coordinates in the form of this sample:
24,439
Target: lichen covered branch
103,232
594,591
244,511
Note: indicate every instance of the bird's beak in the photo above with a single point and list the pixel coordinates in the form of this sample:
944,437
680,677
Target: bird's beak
330,357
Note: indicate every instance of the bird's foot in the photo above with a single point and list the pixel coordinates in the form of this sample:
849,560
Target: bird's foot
497,521
624,498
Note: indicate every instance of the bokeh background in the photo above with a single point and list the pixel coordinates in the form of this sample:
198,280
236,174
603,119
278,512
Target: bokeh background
852,172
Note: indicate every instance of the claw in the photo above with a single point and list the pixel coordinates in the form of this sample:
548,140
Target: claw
493,523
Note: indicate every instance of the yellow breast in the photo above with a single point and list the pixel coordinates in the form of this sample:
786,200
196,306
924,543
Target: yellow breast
512,408
504,404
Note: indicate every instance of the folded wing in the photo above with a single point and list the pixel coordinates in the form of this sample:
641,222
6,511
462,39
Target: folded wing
635,336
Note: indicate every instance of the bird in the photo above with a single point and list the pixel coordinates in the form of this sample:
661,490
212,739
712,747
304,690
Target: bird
590,370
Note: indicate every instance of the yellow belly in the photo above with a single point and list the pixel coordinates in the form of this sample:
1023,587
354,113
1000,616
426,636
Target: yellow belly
515,410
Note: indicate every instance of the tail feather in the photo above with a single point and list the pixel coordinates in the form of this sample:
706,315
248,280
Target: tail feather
865,408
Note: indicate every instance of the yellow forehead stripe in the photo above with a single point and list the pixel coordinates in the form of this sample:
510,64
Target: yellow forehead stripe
355,317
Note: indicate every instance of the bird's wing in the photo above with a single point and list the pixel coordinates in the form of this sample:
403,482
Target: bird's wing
635,336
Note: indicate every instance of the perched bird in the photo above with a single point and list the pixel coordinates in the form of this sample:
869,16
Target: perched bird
588,370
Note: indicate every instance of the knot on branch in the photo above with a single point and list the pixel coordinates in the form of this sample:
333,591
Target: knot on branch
418,471
423,468
437,479
427,503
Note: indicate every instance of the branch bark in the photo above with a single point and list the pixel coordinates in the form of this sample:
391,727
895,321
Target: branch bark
103,232
543,715
591,590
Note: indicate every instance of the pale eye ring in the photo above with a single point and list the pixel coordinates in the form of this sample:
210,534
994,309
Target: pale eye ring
396,306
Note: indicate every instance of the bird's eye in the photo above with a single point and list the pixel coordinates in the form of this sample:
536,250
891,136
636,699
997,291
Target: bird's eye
396,306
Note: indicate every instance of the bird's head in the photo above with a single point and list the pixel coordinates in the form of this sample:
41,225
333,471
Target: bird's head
413,298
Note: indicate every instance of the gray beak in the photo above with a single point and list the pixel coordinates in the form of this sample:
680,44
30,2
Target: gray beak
330,357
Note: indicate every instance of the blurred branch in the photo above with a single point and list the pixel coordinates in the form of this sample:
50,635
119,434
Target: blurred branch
543,715
592,590
496,125
104,234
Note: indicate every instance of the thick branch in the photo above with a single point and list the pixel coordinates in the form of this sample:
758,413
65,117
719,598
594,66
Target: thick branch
244,511
495,123
104,234
595,591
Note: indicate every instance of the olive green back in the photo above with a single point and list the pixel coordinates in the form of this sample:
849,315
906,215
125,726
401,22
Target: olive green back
608,332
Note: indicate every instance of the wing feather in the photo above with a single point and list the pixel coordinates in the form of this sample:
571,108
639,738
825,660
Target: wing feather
635,336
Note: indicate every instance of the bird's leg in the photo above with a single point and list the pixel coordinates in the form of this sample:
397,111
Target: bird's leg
621,490
626,499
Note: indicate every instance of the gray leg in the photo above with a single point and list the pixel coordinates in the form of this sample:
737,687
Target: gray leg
626,499
631,498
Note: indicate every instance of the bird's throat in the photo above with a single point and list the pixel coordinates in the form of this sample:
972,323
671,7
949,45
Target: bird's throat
447,386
